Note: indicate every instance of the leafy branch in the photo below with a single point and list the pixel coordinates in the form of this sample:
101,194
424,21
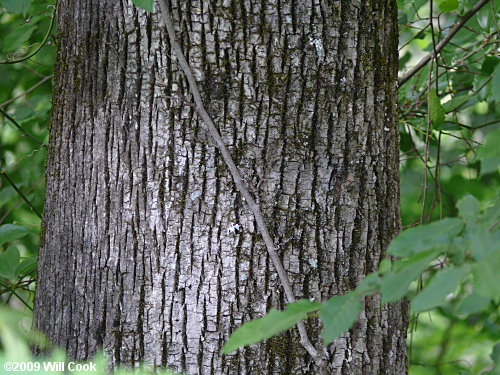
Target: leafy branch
443,42
470,244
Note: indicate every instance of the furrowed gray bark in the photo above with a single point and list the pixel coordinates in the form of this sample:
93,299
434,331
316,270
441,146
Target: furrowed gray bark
253,206
148,248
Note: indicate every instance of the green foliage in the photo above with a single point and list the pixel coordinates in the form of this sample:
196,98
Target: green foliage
13,334
8,262
144,4
472,303
11,266
458,158
486,275
26,267
10,232
25,96
15,338
489,152
451,344
441,285
16,6
425,237
495,356
448,5
395,283
338,315
436,110
456,102
271,324
421,246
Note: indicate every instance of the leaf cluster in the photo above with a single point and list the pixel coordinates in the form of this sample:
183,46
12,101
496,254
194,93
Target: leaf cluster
453,253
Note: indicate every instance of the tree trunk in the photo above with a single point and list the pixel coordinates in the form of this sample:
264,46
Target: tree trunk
148,250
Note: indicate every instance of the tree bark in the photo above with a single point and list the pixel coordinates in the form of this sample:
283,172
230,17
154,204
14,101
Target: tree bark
149,252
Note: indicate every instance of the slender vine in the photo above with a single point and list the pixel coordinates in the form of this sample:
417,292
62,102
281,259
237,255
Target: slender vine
42,44
210,127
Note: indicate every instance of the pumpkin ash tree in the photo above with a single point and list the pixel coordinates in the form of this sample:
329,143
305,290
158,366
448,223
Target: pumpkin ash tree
150,249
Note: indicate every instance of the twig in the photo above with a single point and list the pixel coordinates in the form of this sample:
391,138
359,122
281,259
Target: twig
18,202
412,38
443,42
436,53
20,128
485,125
426,149
20,193
439,364
238,180
46,78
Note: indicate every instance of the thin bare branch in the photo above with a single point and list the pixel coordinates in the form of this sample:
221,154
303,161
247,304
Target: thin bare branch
20,193
21,129
46,78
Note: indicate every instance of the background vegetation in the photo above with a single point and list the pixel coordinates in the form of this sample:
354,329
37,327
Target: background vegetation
450,158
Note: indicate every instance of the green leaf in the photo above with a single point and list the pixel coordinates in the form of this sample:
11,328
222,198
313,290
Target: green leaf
456,102
489,64
436,111
395,284
144,4
6,194
481,241
450,126
8,262
10,232
410,8
495,357
26,267
420,35
448,5
339,314
489,152
269,325
16,38
492,213
472,303
468,208
13,336
384,266
404,59
443,283
424,237
487,277
495,82
16,6
370,283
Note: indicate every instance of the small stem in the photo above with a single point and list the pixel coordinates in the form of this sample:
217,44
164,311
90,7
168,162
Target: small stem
46,78
20,193
20,128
